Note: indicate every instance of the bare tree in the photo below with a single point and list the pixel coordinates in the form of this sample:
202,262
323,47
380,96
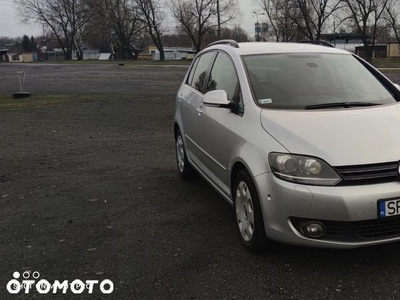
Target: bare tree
366,16
236,33
311,15
295,19
178,37
123,19
281,19
231,33
65,18
98,34
392,17
199,17
153,17
142,39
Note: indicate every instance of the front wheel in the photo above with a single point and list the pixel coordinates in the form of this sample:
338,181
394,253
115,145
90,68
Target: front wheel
249,218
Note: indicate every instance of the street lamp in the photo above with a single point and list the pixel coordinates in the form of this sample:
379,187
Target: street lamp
257,26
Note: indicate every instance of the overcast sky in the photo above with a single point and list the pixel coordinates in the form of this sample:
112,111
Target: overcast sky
11,26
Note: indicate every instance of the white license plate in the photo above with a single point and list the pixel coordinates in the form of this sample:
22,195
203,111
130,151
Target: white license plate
389,208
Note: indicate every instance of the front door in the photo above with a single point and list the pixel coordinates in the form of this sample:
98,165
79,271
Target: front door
215,134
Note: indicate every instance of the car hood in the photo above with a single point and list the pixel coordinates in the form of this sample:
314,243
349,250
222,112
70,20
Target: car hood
341,136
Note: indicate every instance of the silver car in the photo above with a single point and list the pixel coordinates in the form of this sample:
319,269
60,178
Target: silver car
303,140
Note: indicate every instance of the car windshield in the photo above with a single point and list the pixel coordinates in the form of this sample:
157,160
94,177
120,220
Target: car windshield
299,81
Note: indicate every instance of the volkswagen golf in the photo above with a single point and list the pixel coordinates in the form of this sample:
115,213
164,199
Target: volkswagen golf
303,140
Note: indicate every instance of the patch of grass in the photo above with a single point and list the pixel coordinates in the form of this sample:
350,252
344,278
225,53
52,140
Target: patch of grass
147,67
7,102
388,71
120,62
386,63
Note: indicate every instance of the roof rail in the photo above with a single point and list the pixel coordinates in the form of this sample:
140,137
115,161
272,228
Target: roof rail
321,43
232,43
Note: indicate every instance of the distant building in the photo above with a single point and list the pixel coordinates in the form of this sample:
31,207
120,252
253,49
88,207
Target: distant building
378,52
173,53
56,54
345,41
27,57
15,58
88,54
3,54
393,50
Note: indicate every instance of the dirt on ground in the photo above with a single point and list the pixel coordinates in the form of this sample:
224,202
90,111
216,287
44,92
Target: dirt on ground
107,79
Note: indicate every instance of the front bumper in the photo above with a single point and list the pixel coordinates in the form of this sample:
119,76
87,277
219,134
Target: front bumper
284,204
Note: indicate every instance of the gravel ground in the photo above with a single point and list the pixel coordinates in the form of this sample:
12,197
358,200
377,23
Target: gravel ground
90,191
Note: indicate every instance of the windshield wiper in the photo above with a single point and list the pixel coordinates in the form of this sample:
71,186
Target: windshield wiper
341,104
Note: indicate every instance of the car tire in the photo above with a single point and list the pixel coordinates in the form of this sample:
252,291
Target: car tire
185,170
248,214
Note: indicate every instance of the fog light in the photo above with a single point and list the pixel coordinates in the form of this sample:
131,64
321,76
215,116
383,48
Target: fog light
314,230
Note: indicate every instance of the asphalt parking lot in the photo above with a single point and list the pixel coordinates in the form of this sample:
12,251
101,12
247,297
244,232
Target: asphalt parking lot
89,191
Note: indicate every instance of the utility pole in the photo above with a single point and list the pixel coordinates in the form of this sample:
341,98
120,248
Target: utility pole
257,26
219,20
334,33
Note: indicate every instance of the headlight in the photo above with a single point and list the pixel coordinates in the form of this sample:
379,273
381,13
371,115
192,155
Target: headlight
302,169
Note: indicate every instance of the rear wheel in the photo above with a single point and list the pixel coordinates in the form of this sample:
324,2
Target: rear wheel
249,218
184,168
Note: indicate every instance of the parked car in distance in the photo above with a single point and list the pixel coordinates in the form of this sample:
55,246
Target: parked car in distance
303,140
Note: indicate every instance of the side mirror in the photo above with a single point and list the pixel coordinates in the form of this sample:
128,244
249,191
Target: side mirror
217,98
396,85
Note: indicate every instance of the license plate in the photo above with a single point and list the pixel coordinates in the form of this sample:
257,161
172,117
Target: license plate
389,208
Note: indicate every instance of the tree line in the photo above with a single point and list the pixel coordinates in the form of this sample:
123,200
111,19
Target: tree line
292,20
125,26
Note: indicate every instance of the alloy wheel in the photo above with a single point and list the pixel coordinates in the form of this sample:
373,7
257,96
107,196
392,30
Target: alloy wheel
244,211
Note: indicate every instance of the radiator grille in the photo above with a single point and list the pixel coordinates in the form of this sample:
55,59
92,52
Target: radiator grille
369,174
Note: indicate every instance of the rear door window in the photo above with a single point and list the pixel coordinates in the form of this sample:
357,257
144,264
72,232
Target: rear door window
192,71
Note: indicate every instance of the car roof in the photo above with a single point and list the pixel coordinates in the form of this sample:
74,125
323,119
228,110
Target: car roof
250,48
